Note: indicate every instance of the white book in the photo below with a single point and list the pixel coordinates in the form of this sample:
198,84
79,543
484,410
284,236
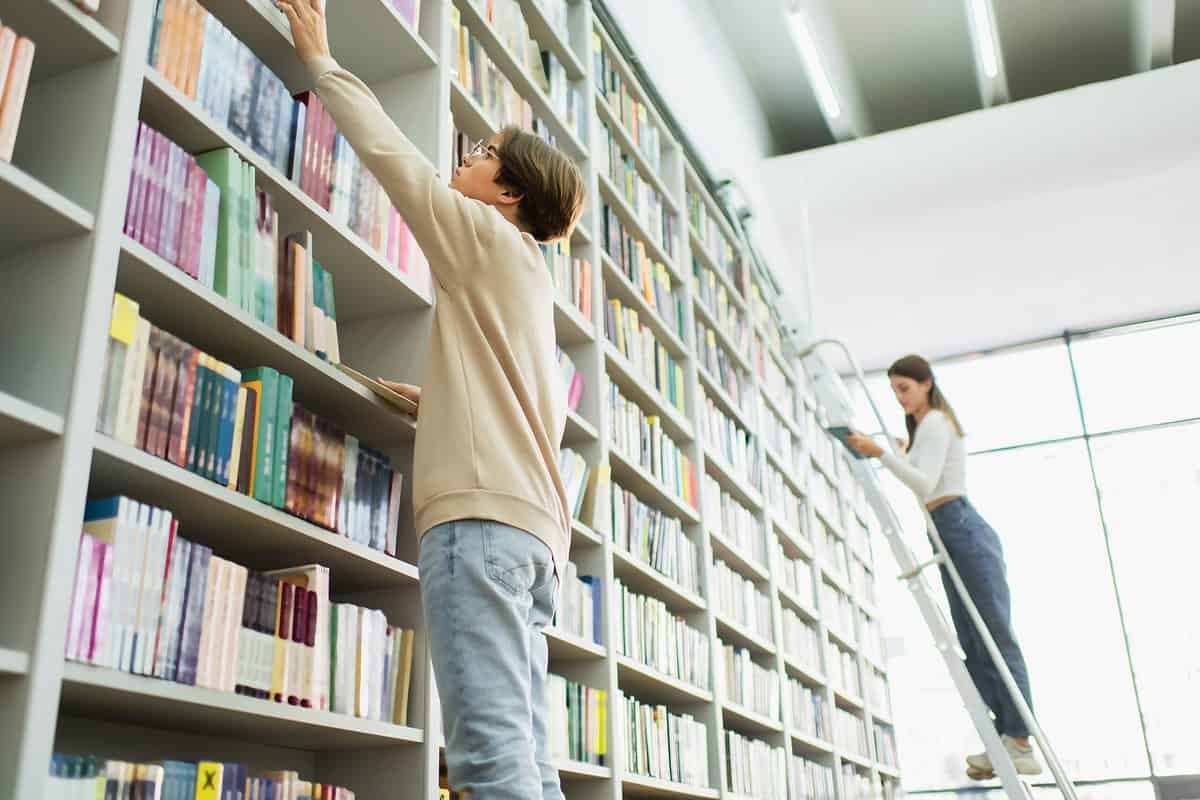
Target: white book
208,241
131,607
131,384
236,602
168,634
362,687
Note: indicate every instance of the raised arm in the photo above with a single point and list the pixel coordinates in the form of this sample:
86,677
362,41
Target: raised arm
927,458
447,225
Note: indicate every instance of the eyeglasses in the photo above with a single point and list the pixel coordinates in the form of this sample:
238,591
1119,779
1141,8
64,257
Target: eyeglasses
482,148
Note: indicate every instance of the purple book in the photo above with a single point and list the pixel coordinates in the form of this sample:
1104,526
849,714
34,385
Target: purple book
193,615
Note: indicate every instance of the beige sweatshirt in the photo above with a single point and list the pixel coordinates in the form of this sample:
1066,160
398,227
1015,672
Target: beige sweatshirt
493,407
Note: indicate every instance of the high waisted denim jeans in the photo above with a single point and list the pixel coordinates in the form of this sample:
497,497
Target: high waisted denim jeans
976,551
489,591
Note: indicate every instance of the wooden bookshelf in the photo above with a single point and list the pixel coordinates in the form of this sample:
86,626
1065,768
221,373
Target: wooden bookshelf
69,223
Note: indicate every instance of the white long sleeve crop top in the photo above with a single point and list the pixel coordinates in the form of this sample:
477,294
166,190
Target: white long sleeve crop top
936,465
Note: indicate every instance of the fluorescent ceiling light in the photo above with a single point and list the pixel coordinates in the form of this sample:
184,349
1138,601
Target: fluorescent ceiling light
815,66
985,36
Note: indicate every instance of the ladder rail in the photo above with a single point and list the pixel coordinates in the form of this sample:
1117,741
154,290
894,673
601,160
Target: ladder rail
911,571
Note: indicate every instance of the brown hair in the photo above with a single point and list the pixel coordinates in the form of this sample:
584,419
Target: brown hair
918,369
550,185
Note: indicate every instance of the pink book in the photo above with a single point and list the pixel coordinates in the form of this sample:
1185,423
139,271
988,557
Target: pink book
178,202
404,247
15,87
575,394
196,182
83,570
187,213
135,183
154,178
102,557
141,162
168,243
393,238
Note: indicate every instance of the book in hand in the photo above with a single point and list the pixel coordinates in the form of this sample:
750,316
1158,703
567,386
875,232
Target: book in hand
842,434
393,397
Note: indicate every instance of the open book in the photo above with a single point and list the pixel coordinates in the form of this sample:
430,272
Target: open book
395,398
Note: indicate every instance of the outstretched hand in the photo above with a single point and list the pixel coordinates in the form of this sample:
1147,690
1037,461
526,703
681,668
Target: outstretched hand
309,33
405,390
864,445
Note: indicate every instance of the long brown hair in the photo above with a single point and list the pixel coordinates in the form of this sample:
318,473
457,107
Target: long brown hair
918,369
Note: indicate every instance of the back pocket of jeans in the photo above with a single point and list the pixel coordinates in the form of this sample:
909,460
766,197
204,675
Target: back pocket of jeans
511,558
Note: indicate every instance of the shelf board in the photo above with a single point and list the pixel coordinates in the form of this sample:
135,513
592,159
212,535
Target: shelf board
24,423
747,721
698,248
238,526
626,144
790,536
499,54
803,610
218,327
644,579
802,673
786,471
850,702
811,743
584,534
855,759
836,579
736,557
774,405
565,646
730,481
734,633
469,116
875,664
640,786
570,326
13,662
552,39
648,488
365,283
717,392
372,40
652,401
650,685
578,430
31,213
579,771
887,771
844,641
615,283
725,342
882,717
108,694
66,37
629,217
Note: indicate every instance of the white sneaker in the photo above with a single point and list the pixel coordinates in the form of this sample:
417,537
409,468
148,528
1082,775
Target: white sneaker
979,766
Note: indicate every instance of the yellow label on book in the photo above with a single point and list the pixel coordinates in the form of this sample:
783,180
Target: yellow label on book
124,319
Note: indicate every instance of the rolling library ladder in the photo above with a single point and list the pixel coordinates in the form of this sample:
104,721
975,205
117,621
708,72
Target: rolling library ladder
836,401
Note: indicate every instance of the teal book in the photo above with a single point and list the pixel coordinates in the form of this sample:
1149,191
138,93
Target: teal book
249,262
196,429
265,382
224,168
283,433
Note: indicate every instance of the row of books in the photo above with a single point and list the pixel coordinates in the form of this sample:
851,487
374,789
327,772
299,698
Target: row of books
843,670
885,745
370,665
708,231
879,693
801,641
870,637
731,520
296,136
654,538
775,383
660,744
810,712
832,549
86,777
810,780
651,635
641,195
16,65
642,440
634,115
731,442
647,356
715,297
850,733
578,723
721,367
241,430
782,500
779,441
572,276
824,494
796,575
761,311
856,785
482,80
838,611
749,684
580,612
572,379
649,278
738,599
574,471
755,769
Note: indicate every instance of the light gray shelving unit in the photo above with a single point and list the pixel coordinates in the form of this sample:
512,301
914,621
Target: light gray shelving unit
62,255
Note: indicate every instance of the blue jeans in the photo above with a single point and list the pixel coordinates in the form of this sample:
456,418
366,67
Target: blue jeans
977,554
489,591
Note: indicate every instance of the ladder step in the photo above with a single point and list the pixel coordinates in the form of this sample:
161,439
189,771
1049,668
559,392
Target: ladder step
908,575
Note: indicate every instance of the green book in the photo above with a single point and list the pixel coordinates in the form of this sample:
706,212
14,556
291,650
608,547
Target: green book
320,345
283,433
333,654
223,167
262,480
196,432
249,239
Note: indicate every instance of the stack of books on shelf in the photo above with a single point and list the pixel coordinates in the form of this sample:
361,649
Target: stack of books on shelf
739,599
653,636
730,442
749,684
147,601
862,581
572,380
709,232
660,744
810,714
885,745
580,613
775,383
850,733
648,356
642,440
837,610
843,669
796,575
870,637
810,780
856,785
762,315
654,538
574,470
633,114
755,769
649,278
16,65
781,443
731,520
572,276
801,641
241,430
832,550
578,724
295,136
720,365
638,192
782,500
76,777
880,693
714,296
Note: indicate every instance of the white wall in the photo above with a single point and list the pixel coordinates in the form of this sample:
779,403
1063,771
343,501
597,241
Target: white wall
1071,210
682,48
